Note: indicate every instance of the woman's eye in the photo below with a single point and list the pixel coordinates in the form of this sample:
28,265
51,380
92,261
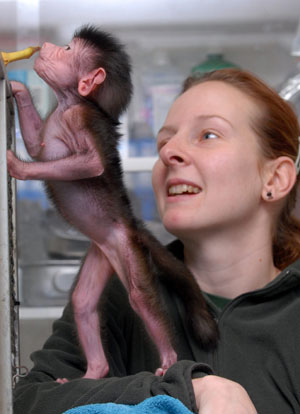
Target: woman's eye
67,47
160,143
159,146
209,135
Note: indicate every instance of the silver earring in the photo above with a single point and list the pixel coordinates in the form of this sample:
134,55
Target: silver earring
270,195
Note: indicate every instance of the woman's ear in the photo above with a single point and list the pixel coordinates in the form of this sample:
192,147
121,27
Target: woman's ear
88,83
279,178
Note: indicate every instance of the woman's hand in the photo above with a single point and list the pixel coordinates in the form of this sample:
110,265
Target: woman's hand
216,395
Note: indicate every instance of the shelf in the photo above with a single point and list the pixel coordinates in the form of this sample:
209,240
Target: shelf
54,312
138,163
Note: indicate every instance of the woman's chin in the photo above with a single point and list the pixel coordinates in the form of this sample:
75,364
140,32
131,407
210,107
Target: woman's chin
175,228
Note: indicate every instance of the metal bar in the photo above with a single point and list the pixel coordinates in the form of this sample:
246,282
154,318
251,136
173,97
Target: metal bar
9,337
12,219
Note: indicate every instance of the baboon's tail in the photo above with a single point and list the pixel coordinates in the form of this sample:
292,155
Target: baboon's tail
177,277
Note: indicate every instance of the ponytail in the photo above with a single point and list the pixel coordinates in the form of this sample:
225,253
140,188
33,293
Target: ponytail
286,245
286,241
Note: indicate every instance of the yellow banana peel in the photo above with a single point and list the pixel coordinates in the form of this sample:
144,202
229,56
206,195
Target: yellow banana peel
22,54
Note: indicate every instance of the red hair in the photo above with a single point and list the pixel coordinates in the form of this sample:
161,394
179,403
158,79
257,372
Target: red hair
278,130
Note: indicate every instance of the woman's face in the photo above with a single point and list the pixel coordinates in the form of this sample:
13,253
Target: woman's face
207,176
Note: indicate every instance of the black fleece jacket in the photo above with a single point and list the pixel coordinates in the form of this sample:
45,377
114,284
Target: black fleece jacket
258,348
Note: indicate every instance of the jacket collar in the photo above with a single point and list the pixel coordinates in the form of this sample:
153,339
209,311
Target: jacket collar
176,247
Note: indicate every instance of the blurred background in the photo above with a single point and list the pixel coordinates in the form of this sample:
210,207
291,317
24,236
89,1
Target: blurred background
167,40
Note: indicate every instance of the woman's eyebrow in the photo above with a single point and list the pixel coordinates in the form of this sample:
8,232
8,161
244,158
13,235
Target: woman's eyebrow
204,117
166,129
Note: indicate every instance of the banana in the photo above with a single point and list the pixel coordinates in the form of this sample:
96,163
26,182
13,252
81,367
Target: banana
22,54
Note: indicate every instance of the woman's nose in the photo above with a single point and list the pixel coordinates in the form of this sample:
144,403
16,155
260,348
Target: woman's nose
174,153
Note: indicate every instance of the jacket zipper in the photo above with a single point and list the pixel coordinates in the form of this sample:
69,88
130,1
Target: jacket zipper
219,317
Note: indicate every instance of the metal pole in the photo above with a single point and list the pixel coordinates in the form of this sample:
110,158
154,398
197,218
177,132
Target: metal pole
9,337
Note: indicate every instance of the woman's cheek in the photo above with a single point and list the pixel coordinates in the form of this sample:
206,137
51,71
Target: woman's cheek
158,186
156,177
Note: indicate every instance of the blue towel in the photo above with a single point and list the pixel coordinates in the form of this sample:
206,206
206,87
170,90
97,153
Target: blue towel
161,404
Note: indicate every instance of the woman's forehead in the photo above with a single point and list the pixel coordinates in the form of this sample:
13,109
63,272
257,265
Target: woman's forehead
214,98
215,92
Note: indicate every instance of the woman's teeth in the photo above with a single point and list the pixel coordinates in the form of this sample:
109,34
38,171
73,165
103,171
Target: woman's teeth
183,188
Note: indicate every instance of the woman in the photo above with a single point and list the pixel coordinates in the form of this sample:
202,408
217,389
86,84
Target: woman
225,186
